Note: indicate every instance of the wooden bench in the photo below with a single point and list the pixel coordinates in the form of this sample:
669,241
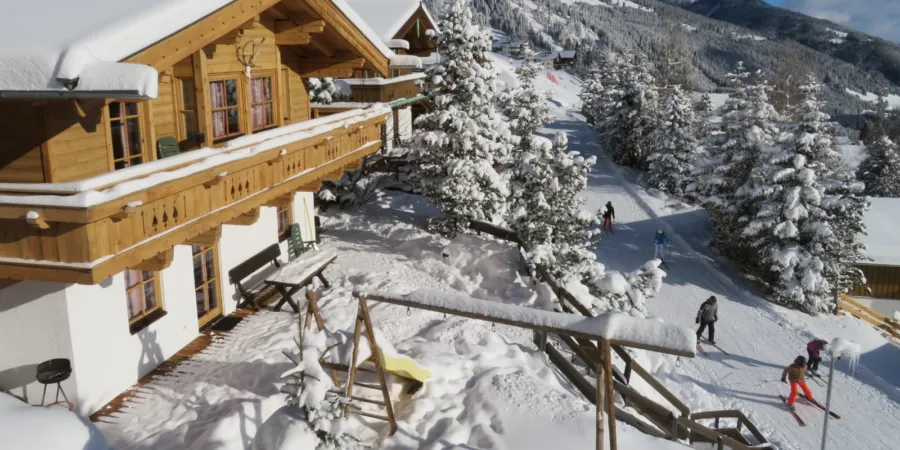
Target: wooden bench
236,276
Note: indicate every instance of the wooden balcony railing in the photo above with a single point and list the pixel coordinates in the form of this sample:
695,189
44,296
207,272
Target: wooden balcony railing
385,90
131,218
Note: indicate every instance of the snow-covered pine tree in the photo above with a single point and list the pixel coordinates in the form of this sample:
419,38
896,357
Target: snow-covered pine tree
322,90
793,232
671,161
880,171
635,118
591,93
524,105
546,205
703,113
308,387
748,121
461,140
610,88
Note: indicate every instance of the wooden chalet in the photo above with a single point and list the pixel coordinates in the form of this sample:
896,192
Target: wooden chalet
882,270
146,149
409,30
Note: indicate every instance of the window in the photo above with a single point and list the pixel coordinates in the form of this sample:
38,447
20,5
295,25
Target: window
395,73
262,103
188,108
285,220
144,303
125,128
206,284
225,101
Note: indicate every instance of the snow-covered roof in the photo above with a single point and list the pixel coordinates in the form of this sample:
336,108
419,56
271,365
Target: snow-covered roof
386,17
397,43
52,43
383,81
405,62
882,239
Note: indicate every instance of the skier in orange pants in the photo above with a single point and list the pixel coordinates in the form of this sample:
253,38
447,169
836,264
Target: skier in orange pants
796,373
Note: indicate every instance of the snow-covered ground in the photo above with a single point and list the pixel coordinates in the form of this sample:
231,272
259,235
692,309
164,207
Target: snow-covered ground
490,388
760,337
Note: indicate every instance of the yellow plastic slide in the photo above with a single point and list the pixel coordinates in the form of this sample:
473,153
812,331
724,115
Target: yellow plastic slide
405,367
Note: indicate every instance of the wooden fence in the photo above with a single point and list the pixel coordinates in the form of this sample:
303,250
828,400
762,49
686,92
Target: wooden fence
863,312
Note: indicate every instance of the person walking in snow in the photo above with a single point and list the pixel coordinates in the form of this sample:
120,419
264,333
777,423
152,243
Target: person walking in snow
660,240
608,215
815,348
707,317
796,373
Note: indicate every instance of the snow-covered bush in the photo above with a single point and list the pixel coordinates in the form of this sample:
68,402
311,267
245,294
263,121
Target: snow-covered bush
322,90
671,162
352,189
546,205
460,142
627,293
880,171
308,388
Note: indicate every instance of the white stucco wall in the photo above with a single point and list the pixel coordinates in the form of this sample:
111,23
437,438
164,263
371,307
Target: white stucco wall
34,327
304,213
240,242
404,116
108,359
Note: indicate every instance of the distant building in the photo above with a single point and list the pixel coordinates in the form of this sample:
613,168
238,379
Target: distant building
882,289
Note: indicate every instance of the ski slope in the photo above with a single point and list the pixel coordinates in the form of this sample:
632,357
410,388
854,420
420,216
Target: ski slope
760,337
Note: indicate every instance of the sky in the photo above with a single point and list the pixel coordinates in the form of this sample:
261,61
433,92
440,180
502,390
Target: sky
877,17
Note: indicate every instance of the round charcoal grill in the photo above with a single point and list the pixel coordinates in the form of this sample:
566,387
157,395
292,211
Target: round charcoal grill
54,371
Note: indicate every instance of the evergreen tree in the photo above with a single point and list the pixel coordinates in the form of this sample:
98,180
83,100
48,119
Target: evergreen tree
880,171
591,93
635,117
462,140
322,90
671,163
523,104
546,206
308,387
748,124
703,112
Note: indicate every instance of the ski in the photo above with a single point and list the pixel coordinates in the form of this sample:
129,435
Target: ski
816,403
793,411
701,350
706,341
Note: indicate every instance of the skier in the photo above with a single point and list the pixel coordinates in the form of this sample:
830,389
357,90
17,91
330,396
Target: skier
660,239
707,317
814,349
608,215
796,373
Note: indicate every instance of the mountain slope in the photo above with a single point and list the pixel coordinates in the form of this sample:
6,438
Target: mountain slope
867,52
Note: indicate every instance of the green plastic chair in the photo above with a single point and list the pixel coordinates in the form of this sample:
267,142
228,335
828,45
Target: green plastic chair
167,147
296,245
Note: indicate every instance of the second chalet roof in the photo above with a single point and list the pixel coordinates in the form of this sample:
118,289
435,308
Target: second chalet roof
74,48
386,17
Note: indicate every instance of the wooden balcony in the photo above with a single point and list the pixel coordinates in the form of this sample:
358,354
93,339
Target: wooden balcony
385,90
88,230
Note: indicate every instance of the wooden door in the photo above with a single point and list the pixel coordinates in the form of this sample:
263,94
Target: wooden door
207,290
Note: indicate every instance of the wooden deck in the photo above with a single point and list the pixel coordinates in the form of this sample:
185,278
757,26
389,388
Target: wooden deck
206,338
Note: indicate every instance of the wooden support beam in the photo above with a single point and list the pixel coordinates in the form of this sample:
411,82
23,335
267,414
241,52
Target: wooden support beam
201,95
37,222
339,66
294,32
207,238
158,262
321,46
334,176
311,187
248,218
601,392
182,44
610,395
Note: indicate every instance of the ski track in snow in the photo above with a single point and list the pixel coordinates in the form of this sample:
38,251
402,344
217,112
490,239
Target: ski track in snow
760,337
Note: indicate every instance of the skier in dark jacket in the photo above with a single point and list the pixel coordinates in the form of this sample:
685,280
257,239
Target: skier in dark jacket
707,317
608,217
814,349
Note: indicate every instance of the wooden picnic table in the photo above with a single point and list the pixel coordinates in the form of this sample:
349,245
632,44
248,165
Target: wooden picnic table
299,273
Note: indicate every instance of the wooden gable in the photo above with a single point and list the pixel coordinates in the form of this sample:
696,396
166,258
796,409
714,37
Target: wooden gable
414,32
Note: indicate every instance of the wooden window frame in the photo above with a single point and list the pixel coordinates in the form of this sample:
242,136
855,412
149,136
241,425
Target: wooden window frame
215,280
243,101
147,317
180,110
142,117
273,82
286,207
284,82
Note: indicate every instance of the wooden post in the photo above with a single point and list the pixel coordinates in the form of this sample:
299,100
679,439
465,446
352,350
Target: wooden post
610,395
354,361
389,408
601,391
312,311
